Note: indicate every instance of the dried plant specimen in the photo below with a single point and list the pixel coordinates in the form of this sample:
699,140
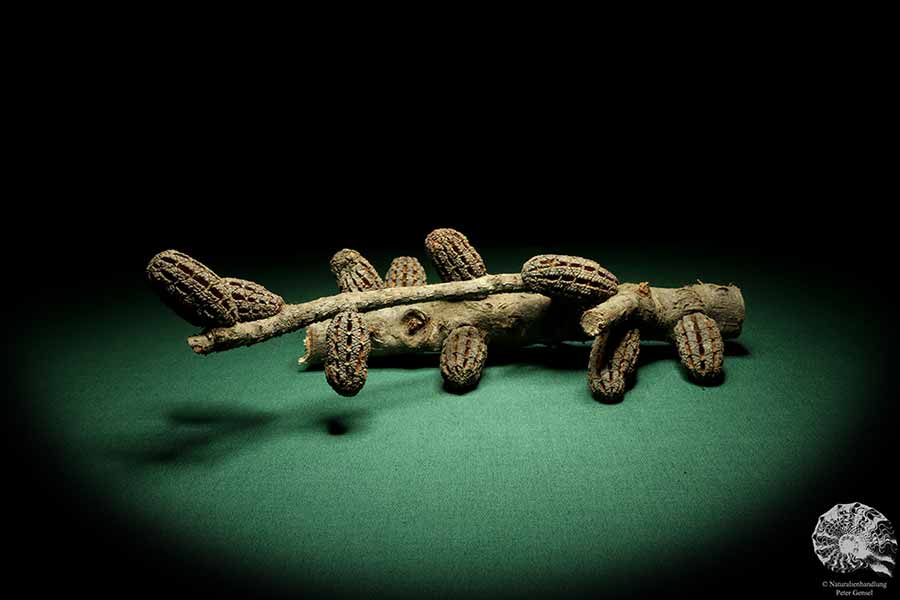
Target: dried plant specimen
252,301
569,277
463,357
348,343
700,347
454,258
354,273
405,271
512,310
191,289
613,359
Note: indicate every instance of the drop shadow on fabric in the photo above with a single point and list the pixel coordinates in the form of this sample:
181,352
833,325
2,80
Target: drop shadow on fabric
205,432
656,352
208,432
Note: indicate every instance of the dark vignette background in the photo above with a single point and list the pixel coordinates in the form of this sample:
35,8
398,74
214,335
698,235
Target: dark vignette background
773,170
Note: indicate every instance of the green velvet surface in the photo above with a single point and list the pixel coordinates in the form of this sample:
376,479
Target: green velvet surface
524,485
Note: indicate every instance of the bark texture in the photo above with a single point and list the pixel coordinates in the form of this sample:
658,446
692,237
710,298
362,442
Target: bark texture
297,316
522,319
509,320
659,309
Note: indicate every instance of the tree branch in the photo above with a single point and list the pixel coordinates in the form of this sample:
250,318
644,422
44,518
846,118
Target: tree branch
522,319
297,316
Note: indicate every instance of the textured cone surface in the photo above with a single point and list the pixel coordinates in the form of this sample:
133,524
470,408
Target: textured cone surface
463,357
570,277
453,256
405,271
354,273
348,346
612,360
191,289
700,346
253,301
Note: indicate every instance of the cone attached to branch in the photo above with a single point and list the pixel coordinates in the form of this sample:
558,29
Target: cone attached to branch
465,350
454,258
613,360
405,271
346,365
251,300
354,273
570,277
462,358
700,347
204,299
544,304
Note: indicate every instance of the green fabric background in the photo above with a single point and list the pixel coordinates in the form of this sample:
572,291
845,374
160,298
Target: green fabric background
523,485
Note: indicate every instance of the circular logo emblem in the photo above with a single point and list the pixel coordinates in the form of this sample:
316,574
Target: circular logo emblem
853,536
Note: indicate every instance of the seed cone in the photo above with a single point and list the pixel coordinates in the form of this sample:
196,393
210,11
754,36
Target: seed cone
700,346
454,258
570,277
191,289
405,271
348,346
354,273
463,357
252,300
613,359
